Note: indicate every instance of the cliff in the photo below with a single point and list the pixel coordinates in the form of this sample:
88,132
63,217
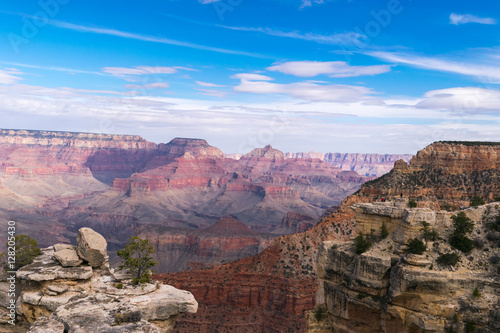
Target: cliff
388,290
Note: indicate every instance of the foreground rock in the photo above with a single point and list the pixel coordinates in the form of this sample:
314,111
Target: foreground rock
91,247
82,298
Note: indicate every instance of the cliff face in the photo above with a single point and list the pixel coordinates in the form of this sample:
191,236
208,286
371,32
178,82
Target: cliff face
385,290
227,240
443,175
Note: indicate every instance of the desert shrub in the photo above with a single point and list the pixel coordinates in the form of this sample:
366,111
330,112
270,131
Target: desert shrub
476,293
137,257
462,243
429,234
498,270
383,231
362,295
362,243
495,259
415,246
119,286
476,201
26,249
463,226
478,243
495,225
319,314
412,203
470,327
448,259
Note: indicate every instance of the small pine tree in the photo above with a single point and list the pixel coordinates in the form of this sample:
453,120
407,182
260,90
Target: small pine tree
383,231
476,201
415,246
26,249
137,257
412,203
362,244
463,226
476,293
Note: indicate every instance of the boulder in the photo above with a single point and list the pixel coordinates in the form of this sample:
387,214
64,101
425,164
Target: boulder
68,257
91,247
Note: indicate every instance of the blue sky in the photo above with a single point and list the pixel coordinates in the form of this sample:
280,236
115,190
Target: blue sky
330,76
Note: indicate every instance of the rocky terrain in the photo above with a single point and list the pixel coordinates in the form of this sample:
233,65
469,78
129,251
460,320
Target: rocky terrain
388,290
274,290
73,289
364,164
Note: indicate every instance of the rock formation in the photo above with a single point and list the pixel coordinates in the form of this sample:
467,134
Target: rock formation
281,282
386,290
85,295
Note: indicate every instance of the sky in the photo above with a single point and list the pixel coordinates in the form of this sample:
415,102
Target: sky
375,76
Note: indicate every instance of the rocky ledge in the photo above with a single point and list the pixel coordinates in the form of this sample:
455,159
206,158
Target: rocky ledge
73,289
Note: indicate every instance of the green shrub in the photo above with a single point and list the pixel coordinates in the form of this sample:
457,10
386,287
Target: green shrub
319,314
362,244
429,234
362,295
476,293
119,286
470,327
476,201
137,257
26,249
448,259
498,270
415,246
462,243
463,226
383,231
412,203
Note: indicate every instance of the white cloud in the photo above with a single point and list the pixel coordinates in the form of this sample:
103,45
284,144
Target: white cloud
250,76
141,70
8,76
462,99
149,86
468,18
204,2
308,3
213,92
344,38
147,38
337,69
208,84
487,73
306,90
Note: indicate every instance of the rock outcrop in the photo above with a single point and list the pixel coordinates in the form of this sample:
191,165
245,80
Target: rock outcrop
83,298
386,290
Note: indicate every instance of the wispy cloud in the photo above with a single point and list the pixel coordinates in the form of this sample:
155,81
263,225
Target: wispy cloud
468,18
141,70
308,91
208,84
337,69
487,73
344,38
204,2
53,68
462,99
8,76
147,38
149,86
308,3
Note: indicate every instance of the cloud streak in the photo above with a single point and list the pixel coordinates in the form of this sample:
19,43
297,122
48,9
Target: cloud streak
490,74
457,19
147,38
336,69
345,38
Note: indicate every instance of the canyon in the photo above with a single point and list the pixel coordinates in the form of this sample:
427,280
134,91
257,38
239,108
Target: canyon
277,290
53,183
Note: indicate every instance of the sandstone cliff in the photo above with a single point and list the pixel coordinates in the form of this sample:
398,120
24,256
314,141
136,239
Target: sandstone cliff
386,290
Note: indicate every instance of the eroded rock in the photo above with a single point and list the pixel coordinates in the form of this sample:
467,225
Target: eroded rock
68,257
92,247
